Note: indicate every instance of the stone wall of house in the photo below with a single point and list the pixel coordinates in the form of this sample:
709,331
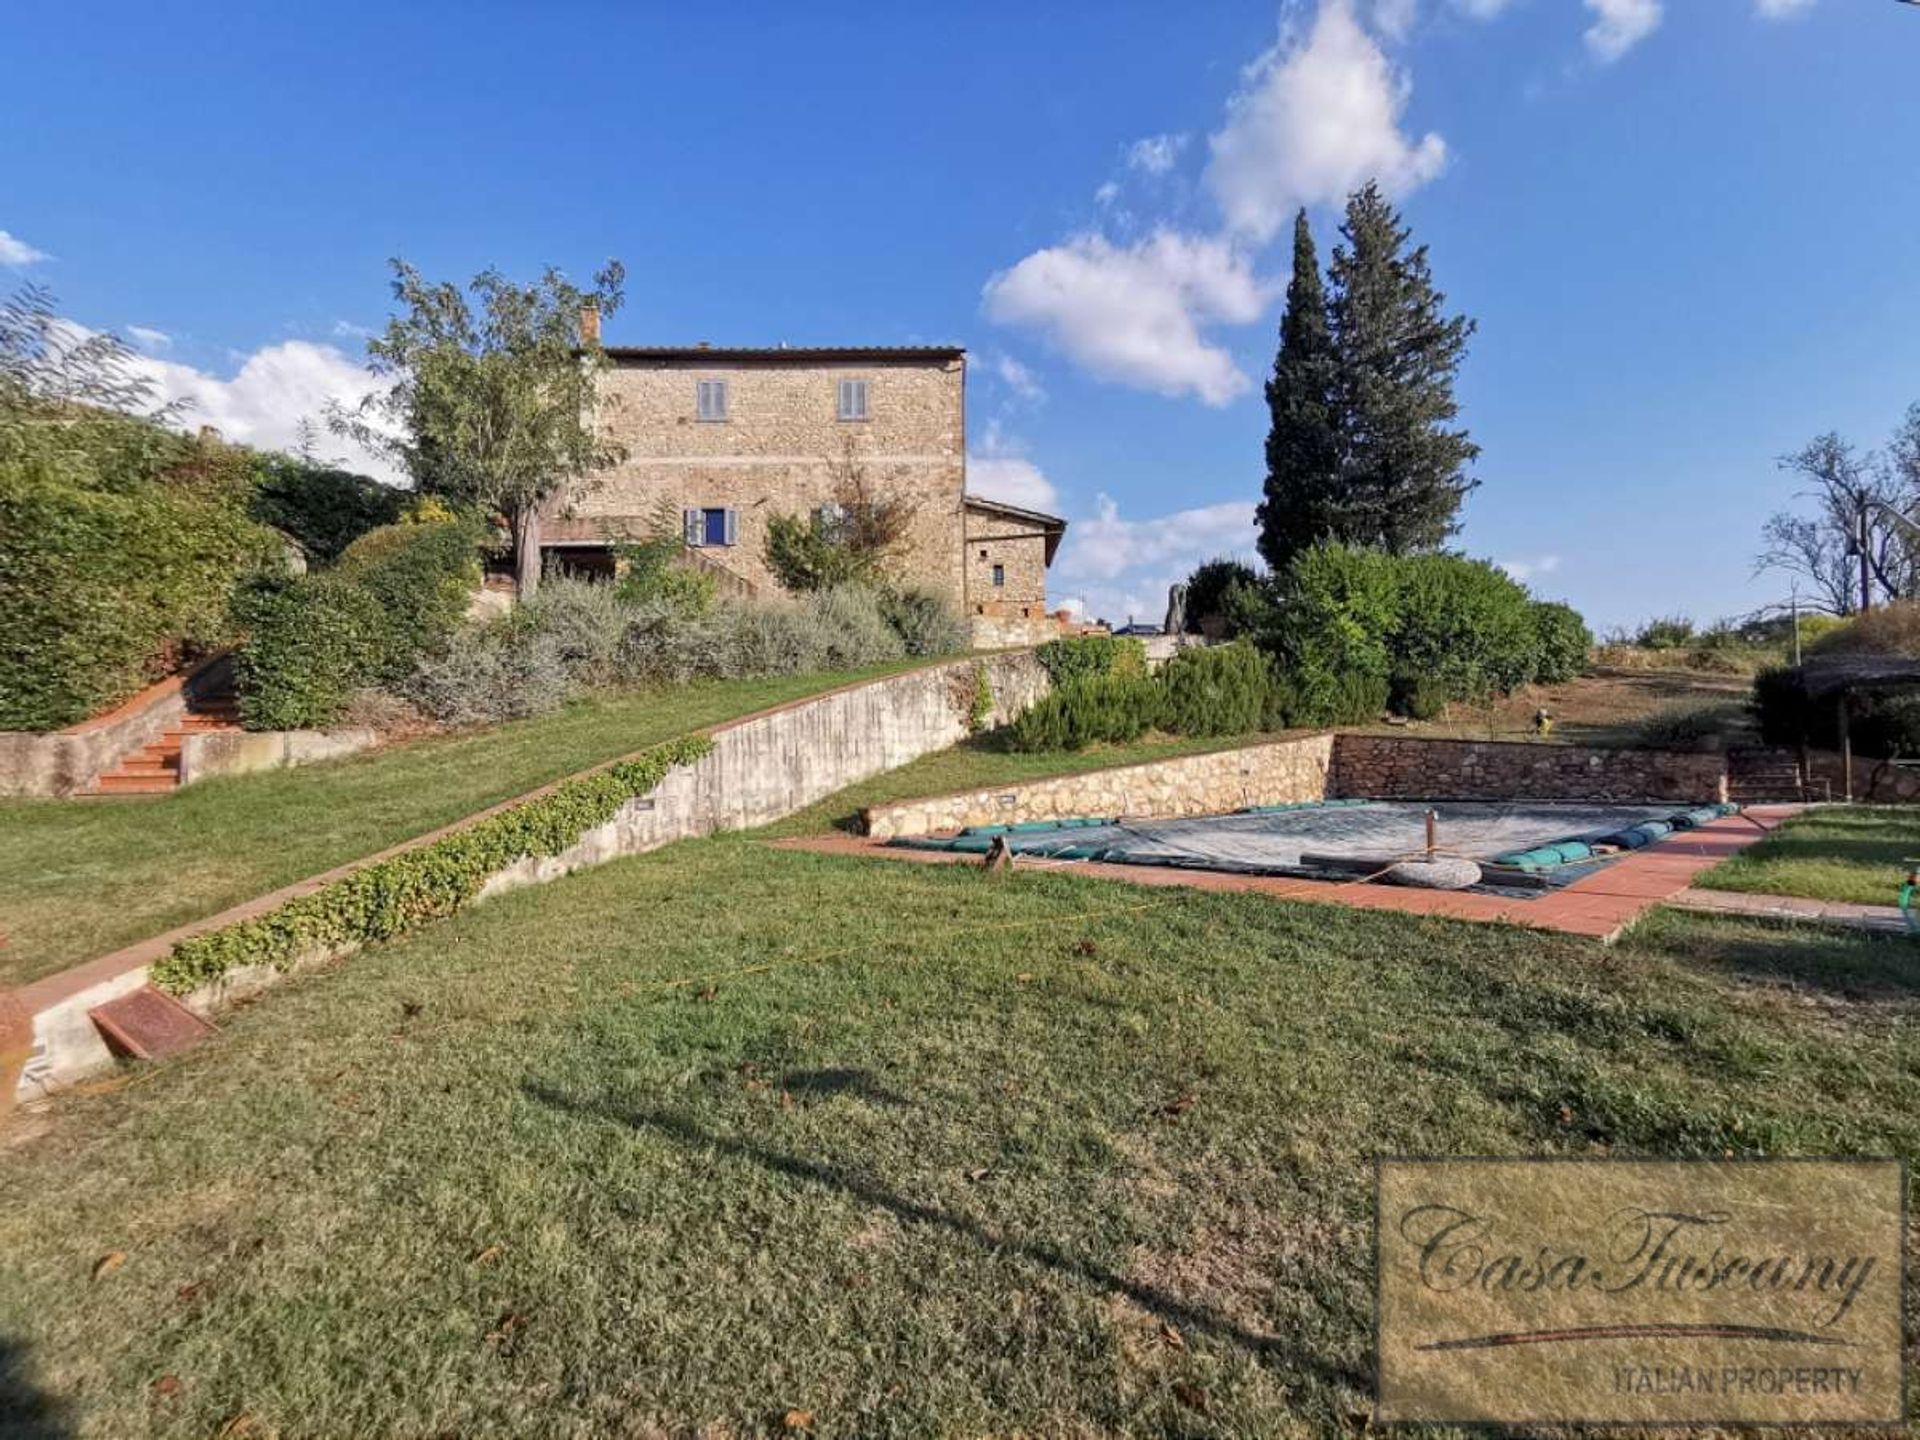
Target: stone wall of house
782,450
1396,767
1018,549
1007,632
1279,772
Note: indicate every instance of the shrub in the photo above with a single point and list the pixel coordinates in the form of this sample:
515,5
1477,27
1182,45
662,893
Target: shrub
1892,629
850,630
1078,657
1416,695
1208,588
656,570
980,704
1561,642
1466,623
924,622
1666,632
324,510
1693,727
1110,709
1339,610
1881,723
583,624
107,575
311,643
1216,690
491,673
387,899
422,576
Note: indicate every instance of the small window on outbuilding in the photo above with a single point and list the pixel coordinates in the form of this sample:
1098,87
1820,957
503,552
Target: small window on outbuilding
853,399
710,525
710,399
999,575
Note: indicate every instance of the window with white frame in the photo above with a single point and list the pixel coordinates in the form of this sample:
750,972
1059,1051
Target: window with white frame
710,399
853,399
710,525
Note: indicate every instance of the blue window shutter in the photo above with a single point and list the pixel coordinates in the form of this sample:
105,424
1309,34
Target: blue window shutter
690,526
733,524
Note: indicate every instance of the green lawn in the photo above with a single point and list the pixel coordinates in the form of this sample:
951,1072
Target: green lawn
81,877
677,1145
982,762
1846,852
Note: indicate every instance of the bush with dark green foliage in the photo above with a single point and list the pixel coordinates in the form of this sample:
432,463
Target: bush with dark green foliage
422,577
1109,709
1208,586
1665,632
311,643
324,510
387,899
654,570
1881,723
120,543
1467,623
1078,657
1416,695
1216,690
1339,611
1561,642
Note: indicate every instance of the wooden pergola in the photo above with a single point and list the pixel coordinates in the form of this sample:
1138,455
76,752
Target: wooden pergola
1838,677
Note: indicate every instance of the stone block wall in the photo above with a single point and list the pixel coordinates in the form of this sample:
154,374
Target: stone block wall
243,752
65,762
1017,548
1396,767
1280,772
1006,632
782,450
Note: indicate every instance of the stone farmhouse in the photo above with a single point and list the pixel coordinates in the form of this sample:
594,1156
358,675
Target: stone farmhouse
718,441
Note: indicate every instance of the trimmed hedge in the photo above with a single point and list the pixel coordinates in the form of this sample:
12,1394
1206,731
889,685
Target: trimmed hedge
394,896
1106,709
421,575
1077,657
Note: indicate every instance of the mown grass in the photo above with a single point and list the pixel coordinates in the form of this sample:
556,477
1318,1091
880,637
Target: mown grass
985,761
687,1142
1844,852
81,877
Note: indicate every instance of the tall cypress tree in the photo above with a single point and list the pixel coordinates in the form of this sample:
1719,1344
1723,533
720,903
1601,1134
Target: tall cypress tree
1404,461
1303,442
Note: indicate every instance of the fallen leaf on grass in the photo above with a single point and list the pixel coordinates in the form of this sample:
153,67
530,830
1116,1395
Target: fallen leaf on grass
1023,978
1191,1396
488,1255
1085,947
976,1176
245,1423
409,1009
705,997
797,1419
1179,1106
108,1263
166,1385
506,1329
1172,1337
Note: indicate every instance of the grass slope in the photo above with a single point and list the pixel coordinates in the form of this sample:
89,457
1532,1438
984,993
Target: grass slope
691,1140
80,878
1846,852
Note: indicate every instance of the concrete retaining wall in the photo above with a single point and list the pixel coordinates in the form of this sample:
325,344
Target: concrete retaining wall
67,761
1281,772
761,768
1396,767
242,752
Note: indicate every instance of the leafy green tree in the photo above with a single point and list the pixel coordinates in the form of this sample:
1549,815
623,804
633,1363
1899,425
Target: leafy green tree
1303,485
490,403
1404,460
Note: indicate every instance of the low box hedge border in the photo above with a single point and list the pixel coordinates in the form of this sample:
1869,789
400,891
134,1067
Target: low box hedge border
396,895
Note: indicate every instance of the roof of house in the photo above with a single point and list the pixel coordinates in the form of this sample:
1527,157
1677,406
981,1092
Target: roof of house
1052,526
812,354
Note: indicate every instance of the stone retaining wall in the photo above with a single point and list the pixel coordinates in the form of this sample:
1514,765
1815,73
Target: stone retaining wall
65,762
1406,767
242,752
1280,772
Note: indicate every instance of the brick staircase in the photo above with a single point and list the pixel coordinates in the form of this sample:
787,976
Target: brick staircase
154,769
1757,775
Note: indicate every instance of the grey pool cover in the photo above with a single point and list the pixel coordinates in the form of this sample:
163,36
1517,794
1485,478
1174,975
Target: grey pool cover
1348,836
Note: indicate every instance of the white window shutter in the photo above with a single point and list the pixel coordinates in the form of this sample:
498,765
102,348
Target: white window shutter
733,521
690,526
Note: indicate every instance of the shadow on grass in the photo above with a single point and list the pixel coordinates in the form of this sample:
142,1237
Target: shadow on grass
26,1411
1861,968
822,1084
1038,1250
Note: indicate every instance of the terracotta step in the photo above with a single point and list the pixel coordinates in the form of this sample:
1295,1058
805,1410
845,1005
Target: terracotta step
135,784
148,765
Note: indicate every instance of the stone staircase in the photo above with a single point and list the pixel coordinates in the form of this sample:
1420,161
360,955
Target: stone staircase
154,769
1757,775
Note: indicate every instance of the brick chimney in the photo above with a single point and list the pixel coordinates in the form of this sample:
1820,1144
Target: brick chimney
590,323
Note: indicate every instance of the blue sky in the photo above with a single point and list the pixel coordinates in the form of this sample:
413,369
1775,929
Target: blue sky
1686,227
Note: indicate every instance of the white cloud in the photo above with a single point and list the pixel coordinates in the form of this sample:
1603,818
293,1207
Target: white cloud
1107,193
1134,315
347,330
15,251
1394,18
1315,119
1013,479
150,339
269,395
1019,378
1525,570
1481,9
1621,25
1114,568
1156,154
1781,9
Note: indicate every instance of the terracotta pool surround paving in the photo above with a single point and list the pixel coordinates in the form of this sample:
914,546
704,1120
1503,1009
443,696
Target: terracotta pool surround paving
1600,905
